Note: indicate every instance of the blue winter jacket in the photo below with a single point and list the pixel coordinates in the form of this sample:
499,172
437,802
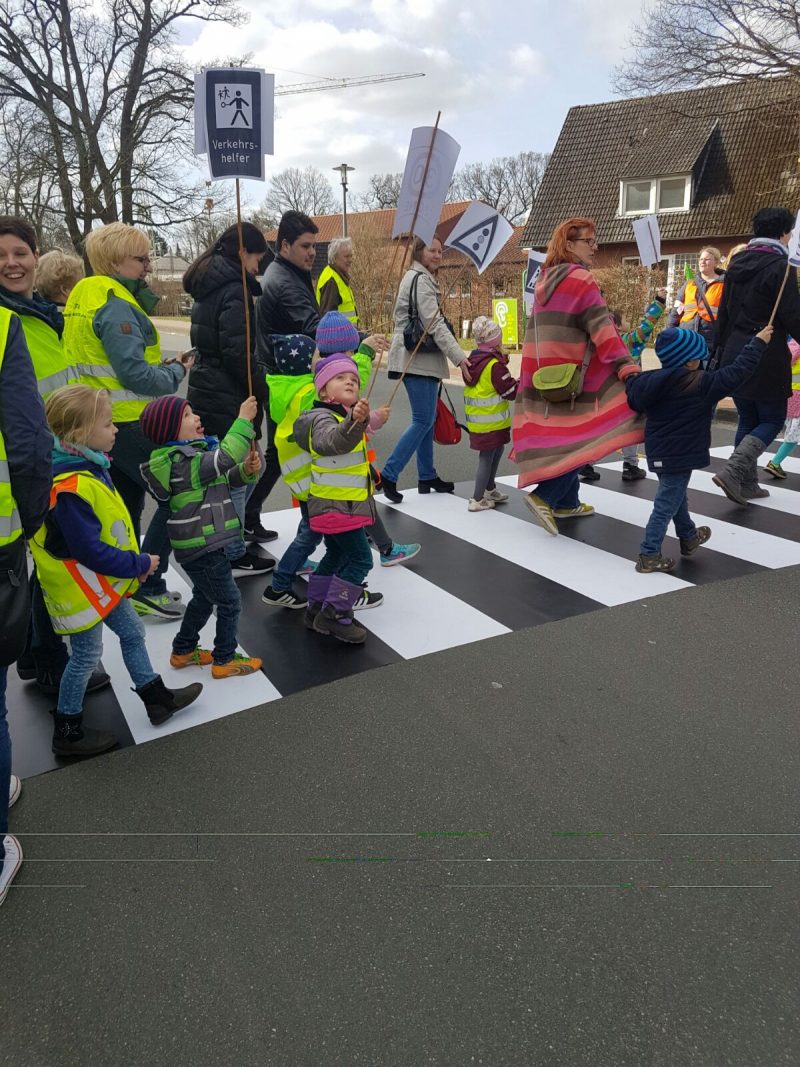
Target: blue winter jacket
678,405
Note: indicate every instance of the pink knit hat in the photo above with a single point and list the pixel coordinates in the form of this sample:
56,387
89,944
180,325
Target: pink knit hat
337,363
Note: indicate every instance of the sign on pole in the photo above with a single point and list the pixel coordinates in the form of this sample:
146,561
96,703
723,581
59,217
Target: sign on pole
648,239
535,261
504,313
480,234
427,201
234,121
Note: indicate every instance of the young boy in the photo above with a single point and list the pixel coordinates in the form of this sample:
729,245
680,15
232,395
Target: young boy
195,473
678,403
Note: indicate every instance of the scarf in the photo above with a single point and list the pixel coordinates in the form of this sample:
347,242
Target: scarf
66,451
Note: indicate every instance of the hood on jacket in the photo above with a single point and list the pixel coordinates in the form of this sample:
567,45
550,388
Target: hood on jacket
215,273
141,293
551,278
751,261
283,388
477,362
37,307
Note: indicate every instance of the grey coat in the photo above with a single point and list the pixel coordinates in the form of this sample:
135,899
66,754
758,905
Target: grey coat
429,364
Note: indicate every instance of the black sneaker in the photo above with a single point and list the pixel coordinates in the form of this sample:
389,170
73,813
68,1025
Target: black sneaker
368,600
277,599
587,473
250,563
257,533
632,472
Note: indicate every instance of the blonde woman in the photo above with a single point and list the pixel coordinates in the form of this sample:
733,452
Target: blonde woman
697,303
114,345
57,274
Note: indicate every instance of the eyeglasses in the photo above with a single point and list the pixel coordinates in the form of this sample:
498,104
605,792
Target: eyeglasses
590,241
144,260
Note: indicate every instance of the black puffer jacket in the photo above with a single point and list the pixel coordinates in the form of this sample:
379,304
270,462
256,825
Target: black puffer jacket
289,305
218,381
751,289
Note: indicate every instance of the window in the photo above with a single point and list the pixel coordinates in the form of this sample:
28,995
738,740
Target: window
646,196
466,288
498,287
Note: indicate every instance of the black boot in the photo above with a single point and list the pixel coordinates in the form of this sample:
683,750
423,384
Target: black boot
49,682
162,703
436,484
71,738
389,490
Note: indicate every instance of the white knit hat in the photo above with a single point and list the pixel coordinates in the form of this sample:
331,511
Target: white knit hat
485,329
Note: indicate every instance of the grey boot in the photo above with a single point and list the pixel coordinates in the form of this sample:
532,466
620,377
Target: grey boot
740,469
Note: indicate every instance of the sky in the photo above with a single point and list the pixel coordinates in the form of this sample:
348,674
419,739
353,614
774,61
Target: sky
503,73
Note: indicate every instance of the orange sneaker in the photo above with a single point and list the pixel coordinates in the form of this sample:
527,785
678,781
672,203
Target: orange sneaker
200,657
237,666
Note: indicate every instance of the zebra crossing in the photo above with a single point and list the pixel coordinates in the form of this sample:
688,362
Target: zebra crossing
479,576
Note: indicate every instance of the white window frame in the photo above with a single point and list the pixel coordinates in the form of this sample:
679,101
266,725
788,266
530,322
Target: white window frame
655,193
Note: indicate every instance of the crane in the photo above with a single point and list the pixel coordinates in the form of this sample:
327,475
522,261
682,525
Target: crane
342,83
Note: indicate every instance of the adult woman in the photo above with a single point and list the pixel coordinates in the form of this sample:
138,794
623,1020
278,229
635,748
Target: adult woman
690,310
570,322
218,383
425,374
112,340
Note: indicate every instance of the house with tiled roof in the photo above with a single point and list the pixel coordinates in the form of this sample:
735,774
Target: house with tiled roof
704,161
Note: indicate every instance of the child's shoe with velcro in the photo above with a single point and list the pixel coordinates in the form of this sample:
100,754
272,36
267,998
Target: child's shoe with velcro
775,469
690,546
654,564
335,617
198,657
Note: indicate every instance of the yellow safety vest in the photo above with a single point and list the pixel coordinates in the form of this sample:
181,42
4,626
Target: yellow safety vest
47,354
77,597
485,409
10,525
693,305
796,375
87,353
344,477
295,461
347,301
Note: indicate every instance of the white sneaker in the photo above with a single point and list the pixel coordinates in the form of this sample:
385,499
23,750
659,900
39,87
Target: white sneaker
14,790
480,505
496,496
11,864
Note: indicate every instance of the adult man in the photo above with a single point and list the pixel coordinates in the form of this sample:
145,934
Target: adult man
752,284
333,285
288,304
25,477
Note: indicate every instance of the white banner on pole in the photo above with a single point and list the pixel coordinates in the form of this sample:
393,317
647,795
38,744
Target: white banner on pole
480,233
431,198
648,239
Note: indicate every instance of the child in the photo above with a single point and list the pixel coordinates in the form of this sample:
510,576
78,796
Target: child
636,341
88,564
195,473
678,401
791,433
487,391
340,504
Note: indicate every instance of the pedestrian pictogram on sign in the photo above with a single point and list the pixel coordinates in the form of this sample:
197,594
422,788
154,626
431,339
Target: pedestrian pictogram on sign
234,113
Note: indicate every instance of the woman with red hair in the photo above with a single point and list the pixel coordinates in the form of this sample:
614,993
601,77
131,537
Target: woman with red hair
570,324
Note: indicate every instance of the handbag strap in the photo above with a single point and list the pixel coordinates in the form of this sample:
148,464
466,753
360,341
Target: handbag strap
701,292
587,356
450,405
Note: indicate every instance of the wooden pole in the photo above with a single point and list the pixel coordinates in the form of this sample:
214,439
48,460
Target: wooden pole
780,293
245,290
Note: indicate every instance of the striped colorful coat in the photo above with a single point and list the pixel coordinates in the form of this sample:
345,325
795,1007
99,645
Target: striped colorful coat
553,439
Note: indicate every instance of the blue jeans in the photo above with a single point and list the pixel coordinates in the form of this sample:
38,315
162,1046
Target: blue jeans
240,494
87,648
762,420
422,395
347,555
5,762
560,492
305,542
212,586
671,504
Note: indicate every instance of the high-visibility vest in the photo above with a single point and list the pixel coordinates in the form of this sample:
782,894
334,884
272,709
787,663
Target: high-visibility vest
347,301
77,597
693,303
86,351
796,374
10,524
485,409
295,461
50,363
344,477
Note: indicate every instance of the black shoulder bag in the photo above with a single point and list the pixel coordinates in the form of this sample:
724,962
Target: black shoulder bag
414,327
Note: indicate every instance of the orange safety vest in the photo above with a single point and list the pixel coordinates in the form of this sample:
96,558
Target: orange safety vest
693,304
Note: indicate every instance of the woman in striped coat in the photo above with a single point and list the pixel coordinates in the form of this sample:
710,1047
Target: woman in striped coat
553,440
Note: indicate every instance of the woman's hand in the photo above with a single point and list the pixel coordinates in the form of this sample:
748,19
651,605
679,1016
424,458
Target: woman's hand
186,359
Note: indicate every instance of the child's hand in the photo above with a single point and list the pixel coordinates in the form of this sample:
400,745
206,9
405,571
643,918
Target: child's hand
361,410
377,342
252,463
380,416
154,562
765,335
248,409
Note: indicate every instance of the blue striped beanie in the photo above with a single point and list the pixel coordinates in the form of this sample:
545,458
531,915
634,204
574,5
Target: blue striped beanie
676,346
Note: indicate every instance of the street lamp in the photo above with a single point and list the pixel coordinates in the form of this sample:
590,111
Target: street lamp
343,168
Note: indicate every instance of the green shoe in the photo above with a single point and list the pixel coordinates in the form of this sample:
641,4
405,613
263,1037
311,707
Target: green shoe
161,606
542,513
775,469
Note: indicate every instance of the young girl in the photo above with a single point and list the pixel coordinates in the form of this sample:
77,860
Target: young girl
791,432
488,389
89,564
340,504
636,340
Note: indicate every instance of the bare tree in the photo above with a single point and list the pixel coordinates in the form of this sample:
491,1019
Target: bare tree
296,189
383,192
680,44
108,90
508,183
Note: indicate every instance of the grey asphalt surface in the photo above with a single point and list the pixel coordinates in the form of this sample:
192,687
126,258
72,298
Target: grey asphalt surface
576,844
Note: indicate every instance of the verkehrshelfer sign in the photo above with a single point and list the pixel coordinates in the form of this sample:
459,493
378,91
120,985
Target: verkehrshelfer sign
234,111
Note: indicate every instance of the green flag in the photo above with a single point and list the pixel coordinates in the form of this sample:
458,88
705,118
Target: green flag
688,273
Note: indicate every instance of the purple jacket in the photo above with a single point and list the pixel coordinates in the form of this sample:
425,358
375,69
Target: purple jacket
505,386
